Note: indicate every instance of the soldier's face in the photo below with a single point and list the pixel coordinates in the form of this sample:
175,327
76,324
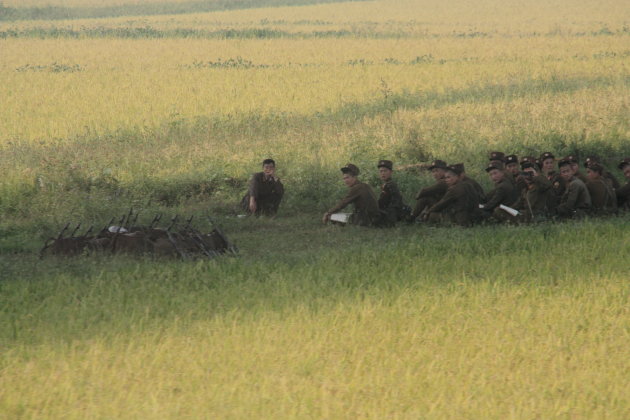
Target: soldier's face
626,171
269,169
349,180
512,167
438,173
592,174
566,172
451,178
548,165
575,168
496,175
384,173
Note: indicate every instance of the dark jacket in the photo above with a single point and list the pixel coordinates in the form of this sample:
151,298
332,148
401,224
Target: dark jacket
623,196
575,198
366,210
504,192
390,202
603,197
267,191
460,205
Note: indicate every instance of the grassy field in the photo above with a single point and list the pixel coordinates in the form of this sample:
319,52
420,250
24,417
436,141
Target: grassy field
105,105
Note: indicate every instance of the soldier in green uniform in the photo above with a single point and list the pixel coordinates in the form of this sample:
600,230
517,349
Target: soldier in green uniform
537,200
265,191
428,196
481,195
623,193
612,180
548,168
460,204
575,167
504,191
390,201
603,197
576,200
361,195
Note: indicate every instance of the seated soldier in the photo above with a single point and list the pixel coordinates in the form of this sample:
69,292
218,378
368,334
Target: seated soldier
548,168
576,200
481,195
575,167
504,191
265,191
537,199
460,204
606,174
361,195
623,193
511,165
428,196
390,201
603,197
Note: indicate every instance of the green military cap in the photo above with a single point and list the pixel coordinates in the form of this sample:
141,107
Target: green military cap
493,166
596,167
530,159
564,162
457,168
624,163
350,169
590,160
547,155
497,156
510,159
571,159
528,164
385,164
437,164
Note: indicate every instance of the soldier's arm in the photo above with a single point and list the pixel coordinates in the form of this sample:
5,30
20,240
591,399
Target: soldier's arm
497,196
254,185
448,198
352,195
436,190
542,183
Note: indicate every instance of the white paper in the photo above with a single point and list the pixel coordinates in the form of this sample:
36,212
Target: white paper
509,210
340,217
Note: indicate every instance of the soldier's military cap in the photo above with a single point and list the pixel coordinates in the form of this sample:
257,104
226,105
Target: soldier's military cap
385,164
547,155
350,169
528,164
510,159
590,160
596,167
497,156
624,163
530,159
457,168
437,164
493,166
564,162
571,159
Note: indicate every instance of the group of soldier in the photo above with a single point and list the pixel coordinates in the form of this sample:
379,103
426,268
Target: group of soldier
524,190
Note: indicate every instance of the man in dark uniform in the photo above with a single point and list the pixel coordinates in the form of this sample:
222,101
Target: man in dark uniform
504,191
361,195
481,195
575,167
265,191
606,174
390,201
576,200
428,196
623,193
511,165
460,204
603,197
548,168
537,200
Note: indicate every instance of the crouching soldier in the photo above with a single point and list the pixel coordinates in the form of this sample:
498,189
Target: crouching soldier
390,201
504,192
428,196
576,200
537,200
623,193
265,191
361,195
460,204
603,197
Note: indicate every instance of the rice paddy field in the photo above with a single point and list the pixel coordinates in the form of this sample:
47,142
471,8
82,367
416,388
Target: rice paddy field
169,106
